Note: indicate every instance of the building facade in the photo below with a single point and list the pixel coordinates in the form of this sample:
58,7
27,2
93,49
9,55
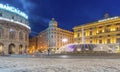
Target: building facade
54,37
32,44
106,31
14,31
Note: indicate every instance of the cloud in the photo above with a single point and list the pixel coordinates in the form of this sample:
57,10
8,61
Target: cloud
45,20
28,6
39,19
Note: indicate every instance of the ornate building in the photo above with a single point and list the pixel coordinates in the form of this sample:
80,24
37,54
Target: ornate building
53,37
32,44
106,31
14,30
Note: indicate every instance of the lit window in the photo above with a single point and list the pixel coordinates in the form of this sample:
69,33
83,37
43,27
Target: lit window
11,30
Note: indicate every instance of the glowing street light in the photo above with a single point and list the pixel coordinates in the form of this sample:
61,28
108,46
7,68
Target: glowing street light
78,49
64,40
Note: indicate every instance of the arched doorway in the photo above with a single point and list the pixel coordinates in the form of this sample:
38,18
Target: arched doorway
1,48
20,49
11,49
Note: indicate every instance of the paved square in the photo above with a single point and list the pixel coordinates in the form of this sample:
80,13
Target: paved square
13,64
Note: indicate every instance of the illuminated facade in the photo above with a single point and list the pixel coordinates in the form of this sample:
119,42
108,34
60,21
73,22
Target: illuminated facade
106,31
14,30
54,37
32,44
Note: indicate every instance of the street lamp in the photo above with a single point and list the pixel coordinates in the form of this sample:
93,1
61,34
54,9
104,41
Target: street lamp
64,40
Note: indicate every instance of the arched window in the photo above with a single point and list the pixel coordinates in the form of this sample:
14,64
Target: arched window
26,37
21,35
1,32
12,17
0,14
12,34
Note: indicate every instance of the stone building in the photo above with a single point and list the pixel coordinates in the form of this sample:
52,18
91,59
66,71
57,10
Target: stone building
105,31
14,30
54,37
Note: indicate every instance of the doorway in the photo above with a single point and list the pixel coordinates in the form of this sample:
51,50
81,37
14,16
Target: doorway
11,49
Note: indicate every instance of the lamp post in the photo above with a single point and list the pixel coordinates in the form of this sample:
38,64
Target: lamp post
48,51
64,40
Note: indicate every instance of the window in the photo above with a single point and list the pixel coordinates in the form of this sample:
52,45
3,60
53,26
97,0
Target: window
0,14
90,28
118,40
108,40
118,24
118,35
108,35
100,36
100,41
79,31
20,36
90,41
100,31
84,33
78,35
107,29
26,37
1,32
100,27
108,25
90,32
12,17
118,28
21,20
51,36
12,34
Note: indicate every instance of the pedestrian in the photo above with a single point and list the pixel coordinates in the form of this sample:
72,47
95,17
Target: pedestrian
48,51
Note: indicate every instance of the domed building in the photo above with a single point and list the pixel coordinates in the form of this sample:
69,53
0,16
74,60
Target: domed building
14,30
53,37
53,23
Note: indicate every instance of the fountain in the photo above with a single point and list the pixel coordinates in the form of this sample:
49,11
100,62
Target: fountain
75,47
85,47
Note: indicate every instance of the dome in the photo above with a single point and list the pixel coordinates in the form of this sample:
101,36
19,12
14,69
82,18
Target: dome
53,23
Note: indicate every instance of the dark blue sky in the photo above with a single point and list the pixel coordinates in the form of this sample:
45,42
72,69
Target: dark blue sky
68,13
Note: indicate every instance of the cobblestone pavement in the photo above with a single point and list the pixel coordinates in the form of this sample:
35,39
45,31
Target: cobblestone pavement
10,64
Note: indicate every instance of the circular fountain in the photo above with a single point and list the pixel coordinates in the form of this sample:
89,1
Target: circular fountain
84,47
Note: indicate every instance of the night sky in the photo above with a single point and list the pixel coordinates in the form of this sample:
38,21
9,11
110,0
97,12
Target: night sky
68,13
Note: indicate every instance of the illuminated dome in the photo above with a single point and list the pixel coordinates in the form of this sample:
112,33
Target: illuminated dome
14,30
53,23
